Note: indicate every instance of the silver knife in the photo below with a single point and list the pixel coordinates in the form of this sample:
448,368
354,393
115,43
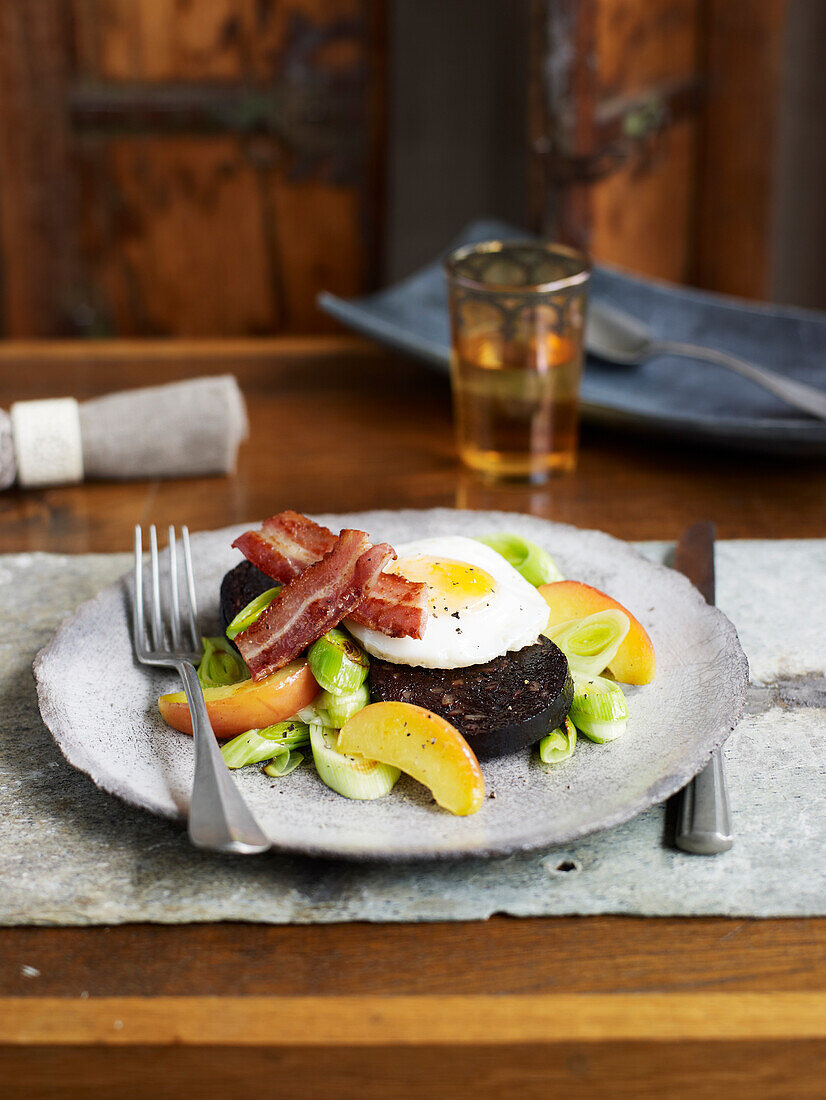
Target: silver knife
703,818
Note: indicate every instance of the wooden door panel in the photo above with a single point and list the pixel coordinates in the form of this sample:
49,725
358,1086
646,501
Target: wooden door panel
743,47
40,263
643,214
653,126
216,163
175,237
199,39
320,244
644,209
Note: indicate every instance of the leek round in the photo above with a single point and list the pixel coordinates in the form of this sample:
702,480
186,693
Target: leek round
338,663
535,564
341,708
283,763
599,710
351,776
220,665
317,714
559,744
291,733
591,643
254,746
252,612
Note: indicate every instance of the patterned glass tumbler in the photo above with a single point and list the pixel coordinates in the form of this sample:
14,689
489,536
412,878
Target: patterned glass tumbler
517,314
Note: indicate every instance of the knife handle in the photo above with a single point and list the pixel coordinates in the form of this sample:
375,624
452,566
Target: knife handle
704,821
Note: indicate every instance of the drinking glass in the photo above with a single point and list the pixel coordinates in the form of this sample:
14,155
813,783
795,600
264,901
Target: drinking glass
517,314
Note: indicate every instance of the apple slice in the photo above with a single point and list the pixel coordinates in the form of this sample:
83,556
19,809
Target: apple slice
421,744
252,704
635,662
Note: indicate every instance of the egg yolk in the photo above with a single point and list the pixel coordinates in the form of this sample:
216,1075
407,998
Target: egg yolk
452,586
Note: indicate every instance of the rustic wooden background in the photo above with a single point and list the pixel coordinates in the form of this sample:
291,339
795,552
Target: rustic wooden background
204,167
174,167
653,141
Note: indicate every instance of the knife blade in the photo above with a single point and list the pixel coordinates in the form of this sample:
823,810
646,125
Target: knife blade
703,817
694,558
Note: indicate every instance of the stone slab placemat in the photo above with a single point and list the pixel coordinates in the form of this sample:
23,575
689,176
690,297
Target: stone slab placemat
71,855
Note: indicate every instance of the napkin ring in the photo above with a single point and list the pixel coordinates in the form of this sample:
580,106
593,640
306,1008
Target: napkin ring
47,442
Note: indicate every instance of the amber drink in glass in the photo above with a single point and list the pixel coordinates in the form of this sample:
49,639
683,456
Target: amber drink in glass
517,312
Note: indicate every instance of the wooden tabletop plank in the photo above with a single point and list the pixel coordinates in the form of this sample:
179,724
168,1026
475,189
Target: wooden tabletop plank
503,956
447,1019
654,1070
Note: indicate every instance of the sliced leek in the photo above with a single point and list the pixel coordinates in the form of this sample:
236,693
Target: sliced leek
338,663
252,612
341,708
247,748
254,746
591,644
599,710
558,745
220,665
317,714
535,564
291,733
283,763
351,776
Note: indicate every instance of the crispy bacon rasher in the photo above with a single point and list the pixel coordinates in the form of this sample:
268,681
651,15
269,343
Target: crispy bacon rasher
394,606
288,542
285,545
313,602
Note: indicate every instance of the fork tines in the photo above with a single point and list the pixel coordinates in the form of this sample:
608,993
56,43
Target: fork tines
184,638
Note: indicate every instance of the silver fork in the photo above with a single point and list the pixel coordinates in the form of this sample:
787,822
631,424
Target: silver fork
219,819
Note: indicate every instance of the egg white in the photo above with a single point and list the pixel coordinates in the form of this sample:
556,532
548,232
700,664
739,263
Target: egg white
509,617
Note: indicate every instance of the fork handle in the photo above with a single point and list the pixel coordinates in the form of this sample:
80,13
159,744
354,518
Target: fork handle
219,819
704,822
807,398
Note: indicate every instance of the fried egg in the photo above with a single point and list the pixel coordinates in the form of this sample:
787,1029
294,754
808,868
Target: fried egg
479,606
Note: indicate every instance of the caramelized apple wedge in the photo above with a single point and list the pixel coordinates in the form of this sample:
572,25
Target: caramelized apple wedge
634,662
423,745
252,704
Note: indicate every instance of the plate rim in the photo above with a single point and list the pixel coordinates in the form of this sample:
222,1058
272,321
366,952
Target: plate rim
653,794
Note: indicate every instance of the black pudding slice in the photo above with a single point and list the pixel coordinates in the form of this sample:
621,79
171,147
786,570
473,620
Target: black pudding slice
500,707
241,586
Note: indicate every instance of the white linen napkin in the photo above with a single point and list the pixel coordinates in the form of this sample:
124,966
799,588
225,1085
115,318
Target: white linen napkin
182,429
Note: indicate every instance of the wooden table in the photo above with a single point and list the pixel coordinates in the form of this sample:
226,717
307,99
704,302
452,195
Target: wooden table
602,1006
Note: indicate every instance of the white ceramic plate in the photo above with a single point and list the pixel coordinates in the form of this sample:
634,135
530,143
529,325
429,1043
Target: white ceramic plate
100,706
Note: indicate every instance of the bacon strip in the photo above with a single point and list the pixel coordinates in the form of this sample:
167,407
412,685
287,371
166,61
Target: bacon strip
285,545
313,602
288,543
394,606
